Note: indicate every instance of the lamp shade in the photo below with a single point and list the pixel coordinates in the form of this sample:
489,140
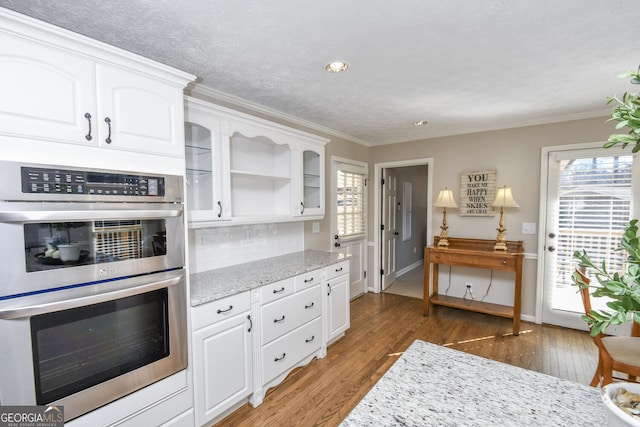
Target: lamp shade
505,199
445,199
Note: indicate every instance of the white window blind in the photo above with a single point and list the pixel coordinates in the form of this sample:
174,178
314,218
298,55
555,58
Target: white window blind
351,213
594,201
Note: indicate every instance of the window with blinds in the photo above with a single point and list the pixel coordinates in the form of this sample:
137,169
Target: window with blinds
350,192
594,205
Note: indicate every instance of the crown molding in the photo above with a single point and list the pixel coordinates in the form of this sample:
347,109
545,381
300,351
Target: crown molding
252,106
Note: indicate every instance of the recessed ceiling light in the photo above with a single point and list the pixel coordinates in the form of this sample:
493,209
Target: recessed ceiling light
420,123
336,67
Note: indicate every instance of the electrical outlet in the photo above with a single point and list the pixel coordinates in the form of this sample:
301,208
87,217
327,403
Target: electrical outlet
469,286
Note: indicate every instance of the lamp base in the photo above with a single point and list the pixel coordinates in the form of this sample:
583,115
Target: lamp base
500,246
443,242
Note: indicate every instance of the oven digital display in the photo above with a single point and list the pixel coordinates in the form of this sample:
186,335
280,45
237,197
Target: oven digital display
59,181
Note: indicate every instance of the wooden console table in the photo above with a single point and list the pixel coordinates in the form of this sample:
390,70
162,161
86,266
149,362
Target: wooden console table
479,254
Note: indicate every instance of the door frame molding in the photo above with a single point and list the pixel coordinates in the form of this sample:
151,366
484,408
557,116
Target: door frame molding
377,176
542,214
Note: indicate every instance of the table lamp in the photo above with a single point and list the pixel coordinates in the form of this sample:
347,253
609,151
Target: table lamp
504,199
445,200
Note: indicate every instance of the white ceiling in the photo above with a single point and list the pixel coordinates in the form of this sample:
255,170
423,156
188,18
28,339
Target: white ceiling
463,65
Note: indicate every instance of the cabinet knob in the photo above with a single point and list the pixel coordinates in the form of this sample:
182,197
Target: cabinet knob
552,248
504,262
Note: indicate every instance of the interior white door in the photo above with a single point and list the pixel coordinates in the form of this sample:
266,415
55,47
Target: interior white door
589,198
348,216
389,230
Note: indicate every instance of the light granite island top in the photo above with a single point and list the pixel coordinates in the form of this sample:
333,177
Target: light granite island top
431,385
212,285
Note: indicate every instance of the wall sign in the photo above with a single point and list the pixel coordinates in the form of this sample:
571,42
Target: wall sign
477,191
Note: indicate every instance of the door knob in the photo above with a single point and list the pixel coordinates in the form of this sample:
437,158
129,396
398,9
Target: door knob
396,233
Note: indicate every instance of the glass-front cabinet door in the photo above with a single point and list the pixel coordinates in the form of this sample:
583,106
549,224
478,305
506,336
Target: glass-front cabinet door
204,155
311,181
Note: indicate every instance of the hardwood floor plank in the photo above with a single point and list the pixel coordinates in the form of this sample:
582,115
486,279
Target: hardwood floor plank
383,326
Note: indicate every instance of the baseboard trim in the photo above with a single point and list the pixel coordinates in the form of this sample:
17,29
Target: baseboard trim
409,268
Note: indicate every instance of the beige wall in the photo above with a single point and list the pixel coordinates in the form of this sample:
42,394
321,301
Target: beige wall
515,155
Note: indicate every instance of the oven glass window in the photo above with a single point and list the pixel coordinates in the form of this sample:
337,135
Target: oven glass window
82,347
66,244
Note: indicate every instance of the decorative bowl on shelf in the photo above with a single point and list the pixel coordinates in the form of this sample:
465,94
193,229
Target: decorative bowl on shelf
616,416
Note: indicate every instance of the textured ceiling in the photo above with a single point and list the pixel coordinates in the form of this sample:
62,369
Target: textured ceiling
463,65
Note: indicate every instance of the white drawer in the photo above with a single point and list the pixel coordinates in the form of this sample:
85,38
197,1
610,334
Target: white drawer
277,290
286,314
307,280
284,353
215,311
335,270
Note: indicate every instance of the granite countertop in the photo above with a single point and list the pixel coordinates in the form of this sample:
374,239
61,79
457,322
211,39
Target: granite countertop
431,385
215,284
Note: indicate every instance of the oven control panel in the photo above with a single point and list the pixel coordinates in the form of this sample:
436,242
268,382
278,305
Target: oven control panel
93,183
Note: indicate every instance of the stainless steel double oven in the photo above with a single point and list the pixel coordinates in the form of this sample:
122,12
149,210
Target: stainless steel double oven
92,284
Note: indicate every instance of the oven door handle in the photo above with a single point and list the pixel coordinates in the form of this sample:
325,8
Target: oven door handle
34,309
25,216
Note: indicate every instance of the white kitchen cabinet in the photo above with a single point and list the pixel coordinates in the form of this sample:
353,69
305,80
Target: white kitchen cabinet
291,329
223,356
261,178
310,187
138,113
253,169
338,308
207,165
59,86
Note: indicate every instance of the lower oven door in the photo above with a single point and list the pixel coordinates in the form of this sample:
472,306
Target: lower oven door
83,348
53,245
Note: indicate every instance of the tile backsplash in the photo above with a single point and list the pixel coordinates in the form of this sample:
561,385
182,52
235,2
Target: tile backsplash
211,248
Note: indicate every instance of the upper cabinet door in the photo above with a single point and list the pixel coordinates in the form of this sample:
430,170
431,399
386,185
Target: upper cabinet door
207,168
139,114
46,93
311,191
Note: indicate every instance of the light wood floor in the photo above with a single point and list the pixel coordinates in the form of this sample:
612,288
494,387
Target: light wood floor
382,326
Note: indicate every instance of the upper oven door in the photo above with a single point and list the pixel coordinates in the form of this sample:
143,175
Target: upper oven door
52,245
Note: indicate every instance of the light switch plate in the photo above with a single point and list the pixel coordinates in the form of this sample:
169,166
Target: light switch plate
528,228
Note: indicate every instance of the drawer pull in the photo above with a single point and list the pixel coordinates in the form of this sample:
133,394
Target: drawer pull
313,337
250,323
309,306
308,280
338,270
279,320
277,291
277,359
225,311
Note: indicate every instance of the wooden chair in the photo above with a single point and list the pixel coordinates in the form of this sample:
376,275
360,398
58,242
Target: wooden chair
615,353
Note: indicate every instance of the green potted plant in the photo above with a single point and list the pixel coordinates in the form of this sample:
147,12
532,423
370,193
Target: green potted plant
623,288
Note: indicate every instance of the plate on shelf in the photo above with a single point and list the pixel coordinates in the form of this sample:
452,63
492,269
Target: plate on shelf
42,259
